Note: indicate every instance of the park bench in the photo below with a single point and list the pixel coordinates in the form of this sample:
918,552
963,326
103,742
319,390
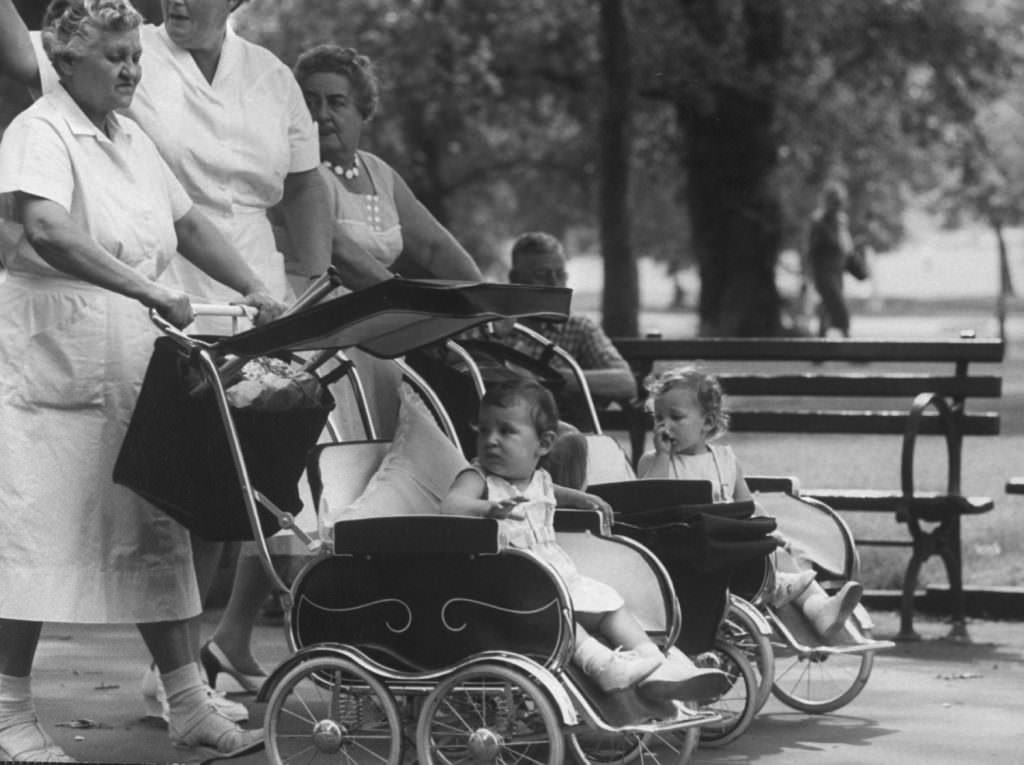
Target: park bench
783,385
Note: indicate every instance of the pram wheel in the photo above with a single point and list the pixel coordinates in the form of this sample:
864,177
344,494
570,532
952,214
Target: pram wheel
598,748
743,632
488,713
737,705
817,681
329,709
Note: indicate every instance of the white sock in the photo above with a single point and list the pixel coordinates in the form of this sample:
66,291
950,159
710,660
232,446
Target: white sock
15,700
185,688
591,655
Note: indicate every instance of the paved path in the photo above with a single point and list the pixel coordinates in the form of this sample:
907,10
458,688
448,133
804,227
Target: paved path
933,702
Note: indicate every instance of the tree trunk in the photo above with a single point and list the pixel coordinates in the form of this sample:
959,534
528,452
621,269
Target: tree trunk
731,154
620,300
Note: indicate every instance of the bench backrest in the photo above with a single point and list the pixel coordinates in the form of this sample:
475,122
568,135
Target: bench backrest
778,373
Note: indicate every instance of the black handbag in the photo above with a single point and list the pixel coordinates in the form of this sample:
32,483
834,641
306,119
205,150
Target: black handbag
857,264
176,455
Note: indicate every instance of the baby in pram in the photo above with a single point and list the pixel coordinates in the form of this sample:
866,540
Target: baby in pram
689,412
516,427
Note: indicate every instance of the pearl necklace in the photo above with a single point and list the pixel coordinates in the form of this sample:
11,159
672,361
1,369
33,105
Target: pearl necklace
344,172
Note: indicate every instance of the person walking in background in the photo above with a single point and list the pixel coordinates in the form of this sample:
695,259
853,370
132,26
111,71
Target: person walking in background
828,247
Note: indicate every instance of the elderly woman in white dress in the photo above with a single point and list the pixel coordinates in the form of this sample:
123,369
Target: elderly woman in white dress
228,118
103,216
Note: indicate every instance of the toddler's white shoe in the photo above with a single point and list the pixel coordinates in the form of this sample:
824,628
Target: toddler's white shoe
624,669
828,614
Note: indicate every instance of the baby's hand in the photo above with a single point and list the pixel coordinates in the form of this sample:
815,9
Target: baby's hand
663,442
508,508
596,503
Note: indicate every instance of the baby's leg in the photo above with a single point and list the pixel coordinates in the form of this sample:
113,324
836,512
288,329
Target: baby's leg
619,628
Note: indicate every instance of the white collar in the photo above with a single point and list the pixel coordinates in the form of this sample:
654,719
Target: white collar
81,125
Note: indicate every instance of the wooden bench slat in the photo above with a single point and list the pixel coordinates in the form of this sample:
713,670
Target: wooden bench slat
810,349
853,422
827,421
924,502
860,385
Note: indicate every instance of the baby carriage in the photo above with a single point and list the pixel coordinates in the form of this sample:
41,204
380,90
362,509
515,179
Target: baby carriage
709,549
810,674
789,658
404,628
701,547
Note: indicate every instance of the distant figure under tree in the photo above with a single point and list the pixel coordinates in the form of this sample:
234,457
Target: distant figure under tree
828,248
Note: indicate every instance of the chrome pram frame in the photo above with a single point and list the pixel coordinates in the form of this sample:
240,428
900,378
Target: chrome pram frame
359,698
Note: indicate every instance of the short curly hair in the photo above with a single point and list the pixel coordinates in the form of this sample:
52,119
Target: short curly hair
541,402
705,386
349,63
74,25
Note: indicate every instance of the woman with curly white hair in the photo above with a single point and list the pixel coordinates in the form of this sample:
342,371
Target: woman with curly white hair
103,216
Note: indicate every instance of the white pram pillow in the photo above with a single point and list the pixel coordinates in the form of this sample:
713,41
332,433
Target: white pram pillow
414,476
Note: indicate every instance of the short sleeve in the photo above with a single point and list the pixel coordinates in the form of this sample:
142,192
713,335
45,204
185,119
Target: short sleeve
302,136
35,160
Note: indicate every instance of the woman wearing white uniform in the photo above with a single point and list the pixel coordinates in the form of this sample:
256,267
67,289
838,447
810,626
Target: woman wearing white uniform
103,216
228,118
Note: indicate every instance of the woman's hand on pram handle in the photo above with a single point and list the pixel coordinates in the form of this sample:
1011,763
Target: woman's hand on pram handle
267,308
171,305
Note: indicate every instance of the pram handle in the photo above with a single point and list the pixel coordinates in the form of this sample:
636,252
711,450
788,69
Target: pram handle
229,309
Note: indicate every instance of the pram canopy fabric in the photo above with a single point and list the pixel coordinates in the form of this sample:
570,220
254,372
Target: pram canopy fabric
398,315
176,452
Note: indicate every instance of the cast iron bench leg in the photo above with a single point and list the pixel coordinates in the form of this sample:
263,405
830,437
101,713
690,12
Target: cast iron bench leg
918,556
949,549
944,541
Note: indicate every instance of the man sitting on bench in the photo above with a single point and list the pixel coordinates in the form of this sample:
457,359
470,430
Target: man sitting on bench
538,259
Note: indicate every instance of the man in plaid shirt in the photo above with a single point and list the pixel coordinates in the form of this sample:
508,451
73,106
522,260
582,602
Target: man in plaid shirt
538,259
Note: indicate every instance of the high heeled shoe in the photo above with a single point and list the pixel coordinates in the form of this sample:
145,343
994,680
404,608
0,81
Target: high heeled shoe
215,661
